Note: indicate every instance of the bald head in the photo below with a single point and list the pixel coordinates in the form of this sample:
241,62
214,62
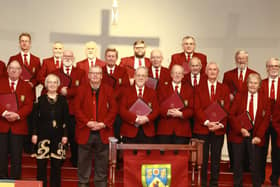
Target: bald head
91,49
156,58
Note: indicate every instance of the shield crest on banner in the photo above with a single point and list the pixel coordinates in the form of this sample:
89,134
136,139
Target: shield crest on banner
156,175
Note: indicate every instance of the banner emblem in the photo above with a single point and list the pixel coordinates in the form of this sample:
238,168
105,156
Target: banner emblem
156,175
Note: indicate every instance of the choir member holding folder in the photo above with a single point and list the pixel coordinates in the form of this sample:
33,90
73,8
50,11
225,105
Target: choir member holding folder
157,73
176,109
211,104
13,120
138,109
249,120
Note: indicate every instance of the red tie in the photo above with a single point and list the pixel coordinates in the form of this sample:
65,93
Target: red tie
251,107
140,63
92,63
212,93
111,72
194,81
25,60
57,64
177,89
240,79
13,86
156,73
272,91
68,71
140,92
94,105
189,58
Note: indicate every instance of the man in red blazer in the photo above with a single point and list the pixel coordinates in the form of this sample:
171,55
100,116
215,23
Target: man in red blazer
3,70
77,77
138,60
116,77
26,59
138,128
13,122
212,132
174,124
188,45
195,77
235,79
52,63
95,112
157,71
271,89
254,104
91,59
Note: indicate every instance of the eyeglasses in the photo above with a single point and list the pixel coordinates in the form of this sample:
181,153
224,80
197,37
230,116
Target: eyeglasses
273,66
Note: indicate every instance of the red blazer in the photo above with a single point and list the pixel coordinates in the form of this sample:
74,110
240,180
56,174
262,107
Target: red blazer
180,126
47,68
275,107
84,65
164,77
34,65
188,79
107,110
3,69
121,78
202,101
128,128
25,102
128,64
179,58
262,118
231,80
77,78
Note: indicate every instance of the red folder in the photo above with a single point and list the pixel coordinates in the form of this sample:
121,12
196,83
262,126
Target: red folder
186,67
9,101
152,83
140,108
26,75
245,120
174,101
215,113
65,80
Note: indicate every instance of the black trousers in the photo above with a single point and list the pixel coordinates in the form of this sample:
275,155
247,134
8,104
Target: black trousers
140,138
14,144
275,162
172,139
93,149
255,155
55,178
215,144
72,141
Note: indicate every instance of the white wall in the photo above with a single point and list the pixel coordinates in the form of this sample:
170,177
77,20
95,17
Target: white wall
220,26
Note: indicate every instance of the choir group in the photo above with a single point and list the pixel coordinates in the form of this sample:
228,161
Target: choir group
139,101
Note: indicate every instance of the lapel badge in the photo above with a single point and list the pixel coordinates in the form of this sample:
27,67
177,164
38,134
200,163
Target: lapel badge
263,113
120,80
33,69
166,83
150,104
108,105
186,103
222,103
22,98
77,82
54,124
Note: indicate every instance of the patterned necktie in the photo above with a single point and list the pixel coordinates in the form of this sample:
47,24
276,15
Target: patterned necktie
140,94
177,89
194,81
189,58
251,107
156,70
111,72
212,93
94,105
57,64
272,91
92,64
240,79
68,71
25,60
13,87
140,62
